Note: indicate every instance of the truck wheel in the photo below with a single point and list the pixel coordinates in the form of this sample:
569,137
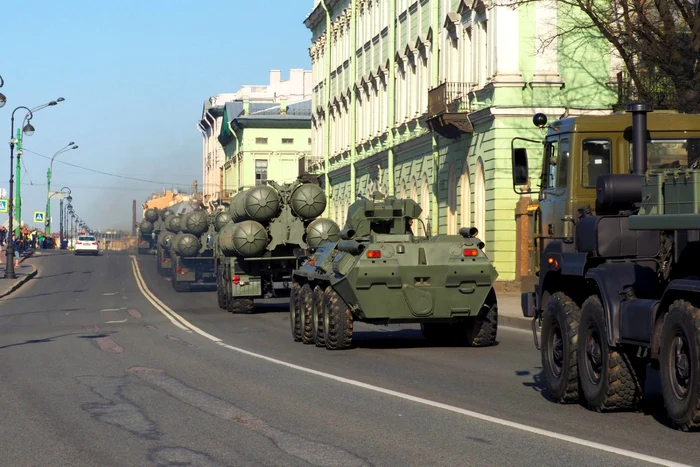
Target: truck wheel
294,319
608,377
220,294
240,305
181,286
306,308
337,321
559,341
679,361
481,330
318,314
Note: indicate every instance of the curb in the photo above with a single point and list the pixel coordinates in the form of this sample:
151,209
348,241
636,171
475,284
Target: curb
20,282
515,322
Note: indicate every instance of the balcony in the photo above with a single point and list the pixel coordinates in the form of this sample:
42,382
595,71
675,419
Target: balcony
448,109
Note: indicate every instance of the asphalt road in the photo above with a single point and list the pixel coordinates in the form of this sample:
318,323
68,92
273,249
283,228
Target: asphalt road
95,371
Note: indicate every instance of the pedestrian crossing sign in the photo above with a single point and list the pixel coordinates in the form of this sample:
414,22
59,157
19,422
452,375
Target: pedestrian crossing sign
3,205
38,217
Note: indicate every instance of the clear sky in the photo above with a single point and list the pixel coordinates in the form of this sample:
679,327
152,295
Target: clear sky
135,75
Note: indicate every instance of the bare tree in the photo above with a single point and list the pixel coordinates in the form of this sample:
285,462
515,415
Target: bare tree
658,41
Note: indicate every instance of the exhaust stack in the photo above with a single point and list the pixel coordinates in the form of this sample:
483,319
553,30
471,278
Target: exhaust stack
639,112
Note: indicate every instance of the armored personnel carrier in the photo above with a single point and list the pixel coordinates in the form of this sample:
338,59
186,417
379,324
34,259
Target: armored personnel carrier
255,249
379,272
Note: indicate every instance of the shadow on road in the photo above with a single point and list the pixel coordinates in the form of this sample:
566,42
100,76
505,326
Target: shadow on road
400,339
45,294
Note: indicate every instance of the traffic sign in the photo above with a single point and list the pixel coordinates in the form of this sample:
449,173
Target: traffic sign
38,217
3,205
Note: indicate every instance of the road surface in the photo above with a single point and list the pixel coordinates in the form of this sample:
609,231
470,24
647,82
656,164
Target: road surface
103,363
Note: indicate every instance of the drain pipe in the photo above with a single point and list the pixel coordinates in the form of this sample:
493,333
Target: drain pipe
327,87
353,101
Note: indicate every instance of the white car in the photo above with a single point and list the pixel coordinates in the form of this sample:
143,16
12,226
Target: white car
87,244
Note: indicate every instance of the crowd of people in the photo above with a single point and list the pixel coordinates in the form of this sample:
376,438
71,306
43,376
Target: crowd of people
27,240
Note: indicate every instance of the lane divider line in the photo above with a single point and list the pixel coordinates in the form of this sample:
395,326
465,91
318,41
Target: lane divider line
155,305
167,309
400,395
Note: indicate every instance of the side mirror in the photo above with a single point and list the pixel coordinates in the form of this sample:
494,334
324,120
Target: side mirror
521,174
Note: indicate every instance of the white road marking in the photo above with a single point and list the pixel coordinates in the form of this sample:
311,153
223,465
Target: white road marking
110,293
122,321
146,292
400,395
110,309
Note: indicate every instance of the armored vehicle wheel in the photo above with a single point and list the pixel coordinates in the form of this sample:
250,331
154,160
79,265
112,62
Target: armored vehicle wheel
481,331
318,316
559,343
306,305
294,311
337,321
240,305
608,377
679,361
220,293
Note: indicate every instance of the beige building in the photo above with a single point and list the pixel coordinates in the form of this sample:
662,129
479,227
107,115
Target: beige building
297,87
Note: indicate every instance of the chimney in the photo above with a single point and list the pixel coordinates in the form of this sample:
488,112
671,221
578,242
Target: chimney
275,77
133,218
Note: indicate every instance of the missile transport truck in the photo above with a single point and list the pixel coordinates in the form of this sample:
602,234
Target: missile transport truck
622,290
381,273
255,250
192,252
148,230
171,226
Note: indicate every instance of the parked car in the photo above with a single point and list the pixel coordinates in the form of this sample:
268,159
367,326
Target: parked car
87,244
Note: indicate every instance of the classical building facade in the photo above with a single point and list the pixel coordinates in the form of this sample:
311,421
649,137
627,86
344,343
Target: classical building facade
294,89
421,98
263,142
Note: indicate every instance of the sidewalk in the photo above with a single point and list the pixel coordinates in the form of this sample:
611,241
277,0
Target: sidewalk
24,273
510,313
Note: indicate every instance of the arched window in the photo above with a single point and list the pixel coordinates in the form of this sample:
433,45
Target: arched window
452,201
403,190
480,200
465,202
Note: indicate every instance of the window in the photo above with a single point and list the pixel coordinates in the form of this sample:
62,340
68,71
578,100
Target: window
558,164
287,140
596,160
563,162
87,239
670,153
309,140
260,172
260,140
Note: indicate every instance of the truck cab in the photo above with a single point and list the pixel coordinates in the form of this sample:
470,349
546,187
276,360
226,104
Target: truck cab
574,153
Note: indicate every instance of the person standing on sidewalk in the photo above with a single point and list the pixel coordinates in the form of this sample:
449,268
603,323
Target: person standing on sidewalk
15,246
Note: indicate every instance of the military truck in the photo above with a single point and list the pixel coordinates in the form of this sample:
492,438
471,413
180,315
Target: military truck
623,292
192,252
259,247
148,231
171,226
379,272
574,152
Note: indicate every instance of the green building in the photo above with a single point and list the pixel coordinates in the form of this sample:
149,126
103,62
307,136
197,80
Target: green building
421,98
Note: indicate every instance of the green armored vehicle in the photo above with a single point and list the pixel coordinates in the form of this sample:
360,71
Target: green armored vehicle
192,251
381,273
255,249
148,230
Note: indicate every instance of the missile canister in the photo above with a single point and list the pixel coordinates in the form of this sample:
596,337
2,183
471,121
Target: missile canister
146,227
151,215
165,213
186,245
261,204
172,223
247,238
165,238
221,220
197,222
308,201
321,230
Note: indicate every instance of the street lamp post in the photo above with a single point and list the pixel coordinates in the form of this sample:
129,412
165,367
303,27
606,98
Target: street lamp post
3,99
69,147
28,130
69,198
19,166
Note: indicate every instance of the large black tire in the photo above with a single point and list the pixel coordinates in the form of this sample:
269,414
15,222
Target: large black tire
143,251
679,362
220,292
559,344
318,317
294,318
337,322
481,331
240,306
180,286
607,375
306,308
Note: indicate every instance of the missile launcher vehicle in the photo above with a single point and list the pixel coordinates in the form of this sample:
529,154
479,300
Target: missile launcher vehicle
171,226
257,249
192,251
379,272
148,230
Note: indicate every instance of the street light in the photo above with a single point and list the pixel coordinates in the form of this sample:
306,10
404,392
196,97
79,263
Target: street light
10,266
3,99
70,146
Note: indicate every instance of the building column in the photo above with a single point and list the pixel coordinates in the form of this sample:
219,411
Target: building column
546,57
506,62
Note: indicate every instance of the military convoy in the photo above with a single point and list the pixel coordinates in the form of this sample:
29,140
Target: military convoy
618,285
256,249
379,272
148,230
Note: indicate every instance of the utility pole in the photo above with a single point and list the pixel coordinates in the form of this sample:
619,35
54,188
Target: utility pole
18,195
133,218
